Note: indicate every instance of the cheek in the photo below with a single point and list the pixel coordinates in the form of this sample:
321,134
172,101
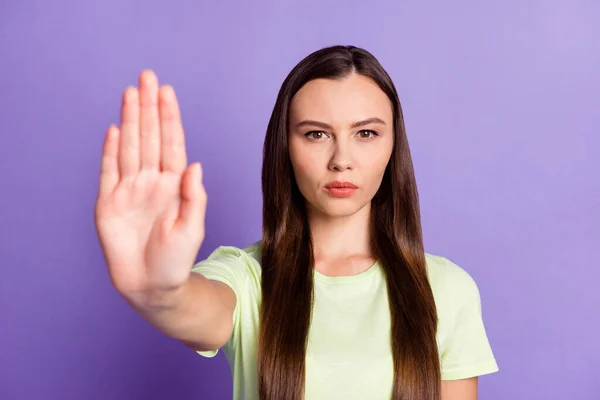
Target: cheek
305,164
304,172
301,166
375,168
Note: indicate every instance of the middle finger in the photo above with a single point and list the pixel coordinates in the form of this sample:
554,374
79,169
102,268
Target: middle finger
149,120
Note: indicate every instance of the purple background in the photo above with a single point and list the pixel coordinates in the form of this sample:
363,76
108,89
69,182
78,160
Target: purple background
502,111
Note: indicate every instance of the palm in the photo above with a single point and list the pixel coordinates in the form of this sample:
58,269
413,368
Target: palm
150,206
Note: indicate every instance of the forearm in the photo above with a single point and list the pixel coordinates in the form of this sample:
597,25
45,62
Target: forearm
198,313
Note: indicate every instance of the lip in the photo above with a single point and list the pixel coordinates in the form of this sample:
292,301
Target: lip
341,189
341,185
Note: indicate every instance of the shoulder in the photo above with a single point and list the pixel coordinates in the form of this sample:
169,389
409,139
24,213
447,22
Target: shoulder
248,253
446,275
236,266
451,284
464,349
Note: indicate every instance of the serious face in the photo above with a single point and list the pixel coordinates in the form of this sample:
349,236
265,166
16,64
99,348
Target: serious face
340,141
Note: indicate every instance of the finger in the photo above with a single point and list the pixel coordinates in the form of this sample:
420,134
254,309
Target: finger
149,122
192,207
129,144
173,155
109,166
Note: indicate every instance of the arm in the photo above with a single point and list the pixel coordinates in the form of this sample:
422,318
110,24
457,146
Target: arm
150,219
461,389
466,353
199,313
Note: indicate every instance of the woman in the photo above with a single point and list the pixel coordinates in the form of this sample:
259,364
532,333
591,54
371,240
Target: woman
338,300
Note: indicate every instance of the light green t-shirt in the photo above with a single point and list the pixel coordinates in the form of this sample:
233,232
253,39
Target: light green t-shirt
348,354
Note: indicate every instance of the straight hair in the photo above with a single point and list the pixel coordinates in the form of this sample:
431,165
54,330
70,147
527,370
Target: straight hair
287,257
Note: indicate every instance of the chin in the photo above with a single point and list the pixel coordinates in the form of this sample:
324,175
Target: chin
340,208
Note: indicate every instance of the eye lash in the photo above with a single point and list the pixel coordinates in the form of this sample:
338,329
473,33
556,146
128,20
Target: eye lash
307,134
374,133
369,130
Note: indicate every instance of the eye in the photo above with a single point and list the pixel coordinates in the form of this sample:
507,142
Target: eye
367,134
316,135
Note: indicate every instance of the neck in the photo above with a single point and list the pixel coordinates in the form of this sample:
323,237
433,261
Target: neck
340,237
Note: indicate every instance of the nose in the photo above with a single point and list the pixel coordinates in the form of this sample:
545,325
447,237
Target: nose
341,159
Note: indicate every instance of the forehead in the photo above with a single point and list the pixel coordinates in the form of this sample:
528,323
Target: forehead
341,101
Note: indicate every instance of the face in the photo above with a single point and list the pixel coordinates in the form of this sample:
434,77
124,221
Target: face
340,130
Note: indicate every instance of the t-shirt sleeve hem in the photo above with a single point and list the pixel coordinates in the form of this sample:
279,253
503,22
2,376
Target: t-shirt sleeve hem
470,371
208,353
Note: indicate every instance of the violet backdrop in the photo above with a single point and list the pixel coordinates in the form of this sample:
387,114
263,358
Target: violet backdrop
502,108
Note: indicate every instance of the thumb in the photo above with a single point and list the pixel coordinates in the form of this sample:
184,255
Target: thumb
192,207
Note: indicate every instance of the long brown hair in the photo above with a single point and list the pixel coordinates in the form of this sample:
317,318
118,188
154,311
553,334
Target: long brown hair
287,249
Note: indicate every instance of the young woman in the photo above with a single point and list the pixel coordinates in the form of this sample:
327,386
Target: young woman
338,300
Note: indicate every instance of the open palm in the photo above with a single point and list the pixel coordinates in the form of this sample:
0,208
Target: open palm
151,205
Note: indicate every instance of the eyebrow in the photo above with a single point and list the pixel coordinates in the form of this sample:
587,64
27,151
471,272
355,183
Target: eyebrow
356,124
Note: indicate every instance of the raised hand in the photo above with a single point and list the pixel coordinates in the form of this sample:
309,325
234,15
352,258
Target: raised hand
151,205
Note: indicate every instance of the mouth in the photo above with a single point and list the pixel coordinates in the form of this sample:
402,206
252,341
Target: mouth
341,185
341,189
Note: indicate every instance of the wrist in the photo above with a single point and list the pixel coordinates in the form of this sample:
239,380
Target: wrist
157,299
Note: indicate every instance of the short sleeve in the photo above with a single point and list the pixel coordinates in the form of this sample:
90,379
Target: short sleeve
468,352
228,265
